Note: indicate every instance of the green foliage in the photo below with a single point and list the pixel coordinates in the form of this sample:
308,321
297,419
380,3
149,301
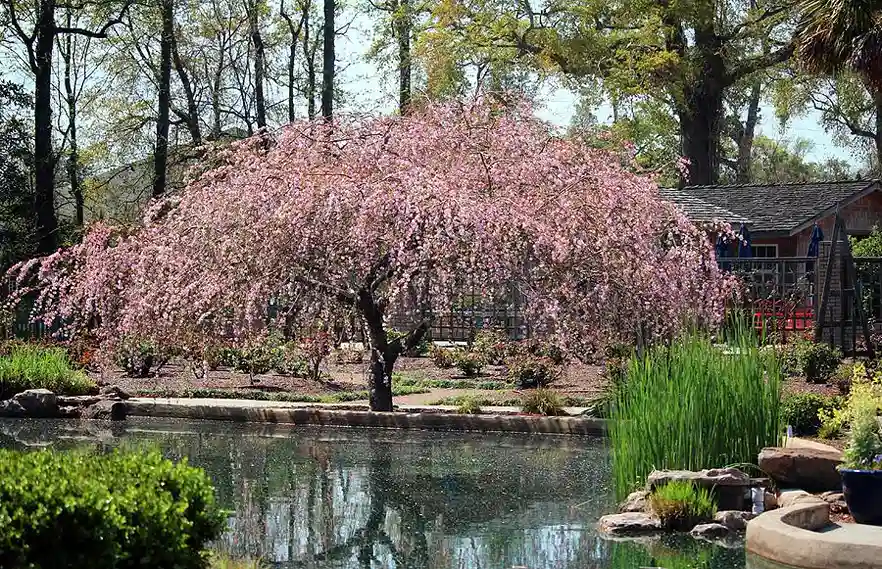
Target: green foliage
869,246
543,402
681,505
469,363
17,200
492,344
817,361
124,510
528,371
140,359
803,412
442,357
864,449
399,380
224,561
26,366
691,405
469,405
257,395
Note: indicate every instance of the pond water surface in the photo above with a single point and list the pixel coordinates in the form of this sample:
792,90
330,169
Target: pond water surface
377,499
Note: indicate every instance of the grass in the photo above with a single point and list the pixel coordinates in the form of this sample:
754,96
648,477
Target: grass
543,402
469,405
37,367
693,406
680,505
225,561
258,395
565,400
450,383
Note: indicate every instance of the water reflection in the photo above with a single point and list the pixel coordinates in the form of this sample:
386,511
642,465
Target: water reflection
385,499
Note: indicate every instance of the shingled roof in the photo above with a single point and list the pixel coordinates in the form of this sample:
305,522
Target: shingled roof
778,208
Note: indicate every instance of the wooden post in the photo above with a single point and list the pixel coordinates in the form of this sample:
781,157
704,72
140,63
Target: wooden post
852,276
828,274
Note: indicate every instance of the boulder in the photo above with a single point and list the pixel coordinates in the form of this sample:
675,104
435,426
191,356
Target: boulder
789,498
714,477
635,502
710,531
37,403
115,392
629,523
10,408
770,501
106,409
836,501
733,519
809,468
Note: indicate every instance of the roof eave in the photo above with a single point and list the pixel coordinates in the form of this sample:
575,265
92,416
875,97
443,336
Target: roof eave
872,186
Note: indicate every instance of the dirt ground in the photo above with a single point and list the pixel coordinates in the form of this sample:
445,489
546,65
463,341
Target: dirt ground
578,380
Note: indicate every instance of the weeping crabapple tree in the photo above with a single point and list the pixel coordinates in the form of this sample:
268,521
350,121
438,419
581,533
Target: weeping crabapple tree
328,221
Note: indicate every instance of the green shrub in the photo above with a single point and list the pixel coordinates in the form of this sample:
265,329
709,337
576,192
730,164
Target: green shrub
469,405
817,361
681,506
528,372
539,348
543,402
842,378
442,357
803,412
864,449
691,405
224,561
469,363
492,344
140,359
36,367
123,510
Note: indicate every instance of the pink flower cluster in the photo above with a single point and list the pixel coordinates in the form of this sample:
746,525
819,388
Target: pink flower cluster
404,210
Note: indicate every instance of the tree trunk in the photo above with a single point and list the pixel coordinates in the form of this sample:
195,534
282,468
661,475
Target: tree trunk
309,52
745,141
259,61
292,52
44,160
403,30
329,34
160,156
73,158
878,140
192,120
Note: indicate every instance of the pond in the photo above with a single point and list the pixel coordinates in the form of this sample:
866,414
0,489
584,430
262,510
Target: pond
345,498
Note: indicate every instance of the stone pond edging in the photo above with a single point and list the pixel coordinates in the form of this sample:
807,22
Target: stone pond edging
802,536
269,412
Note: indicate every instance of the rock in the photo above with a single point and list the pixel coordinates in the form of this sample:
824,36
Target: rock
10,408
70,412
809,468
789,498
37,403
635,502
836,501
770,501
629,523
106,409
715,477
114,391
733,519
710,531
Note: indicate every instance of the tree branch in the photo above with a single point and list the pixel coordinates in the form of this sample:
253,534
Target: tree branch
754,64
102,33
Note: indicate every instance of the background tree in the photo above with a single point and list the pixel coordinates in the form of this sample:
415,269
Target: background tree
329,37
18,216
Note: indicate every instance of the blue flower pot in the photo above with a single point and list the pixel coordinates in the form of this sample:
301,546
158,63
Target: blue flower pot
863,494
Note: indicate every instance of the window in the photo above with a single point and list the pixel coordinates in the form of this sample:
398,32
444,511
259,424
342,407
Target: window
764,251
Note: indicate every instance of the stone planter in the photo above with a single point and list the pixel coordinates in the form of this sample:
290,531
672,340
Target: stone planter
863,494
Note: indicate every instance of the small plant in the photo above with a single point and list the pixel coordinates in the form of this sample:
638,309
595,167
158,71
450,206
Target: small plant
288,359
492,344
442,357
26,366
469,405
817,361
140,359
347,356
680,506
538,348
803,412
543,402
225,561
469,363
528,372
864,449
842,378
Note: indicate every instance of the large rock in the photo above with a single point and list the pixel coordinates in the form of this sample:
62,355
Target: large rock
733,519
635,502
706,478
115,392
812,469
106,409
788,498
629,523
36,403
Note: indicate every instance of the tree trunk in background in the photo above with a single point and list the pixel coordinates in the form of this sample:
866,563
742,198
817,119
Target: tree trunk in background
192,118
259,61
745,140
403,29
292,52
329,35
73,157
878,140
160,156
309,49
44,160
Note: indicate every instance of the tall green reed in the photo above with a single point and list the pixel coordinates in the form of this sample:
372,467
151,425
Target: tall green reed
31,367
693,405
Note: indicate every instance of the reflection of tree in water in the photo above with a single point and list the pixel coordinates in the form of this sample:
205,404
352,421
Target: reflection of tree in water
412,503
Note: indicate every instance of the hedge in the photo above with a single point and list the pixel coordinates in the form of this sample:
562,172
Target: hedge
110,511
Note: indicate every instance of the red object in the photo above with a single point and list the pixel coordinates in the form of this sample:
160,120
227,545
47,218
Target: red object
783,317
